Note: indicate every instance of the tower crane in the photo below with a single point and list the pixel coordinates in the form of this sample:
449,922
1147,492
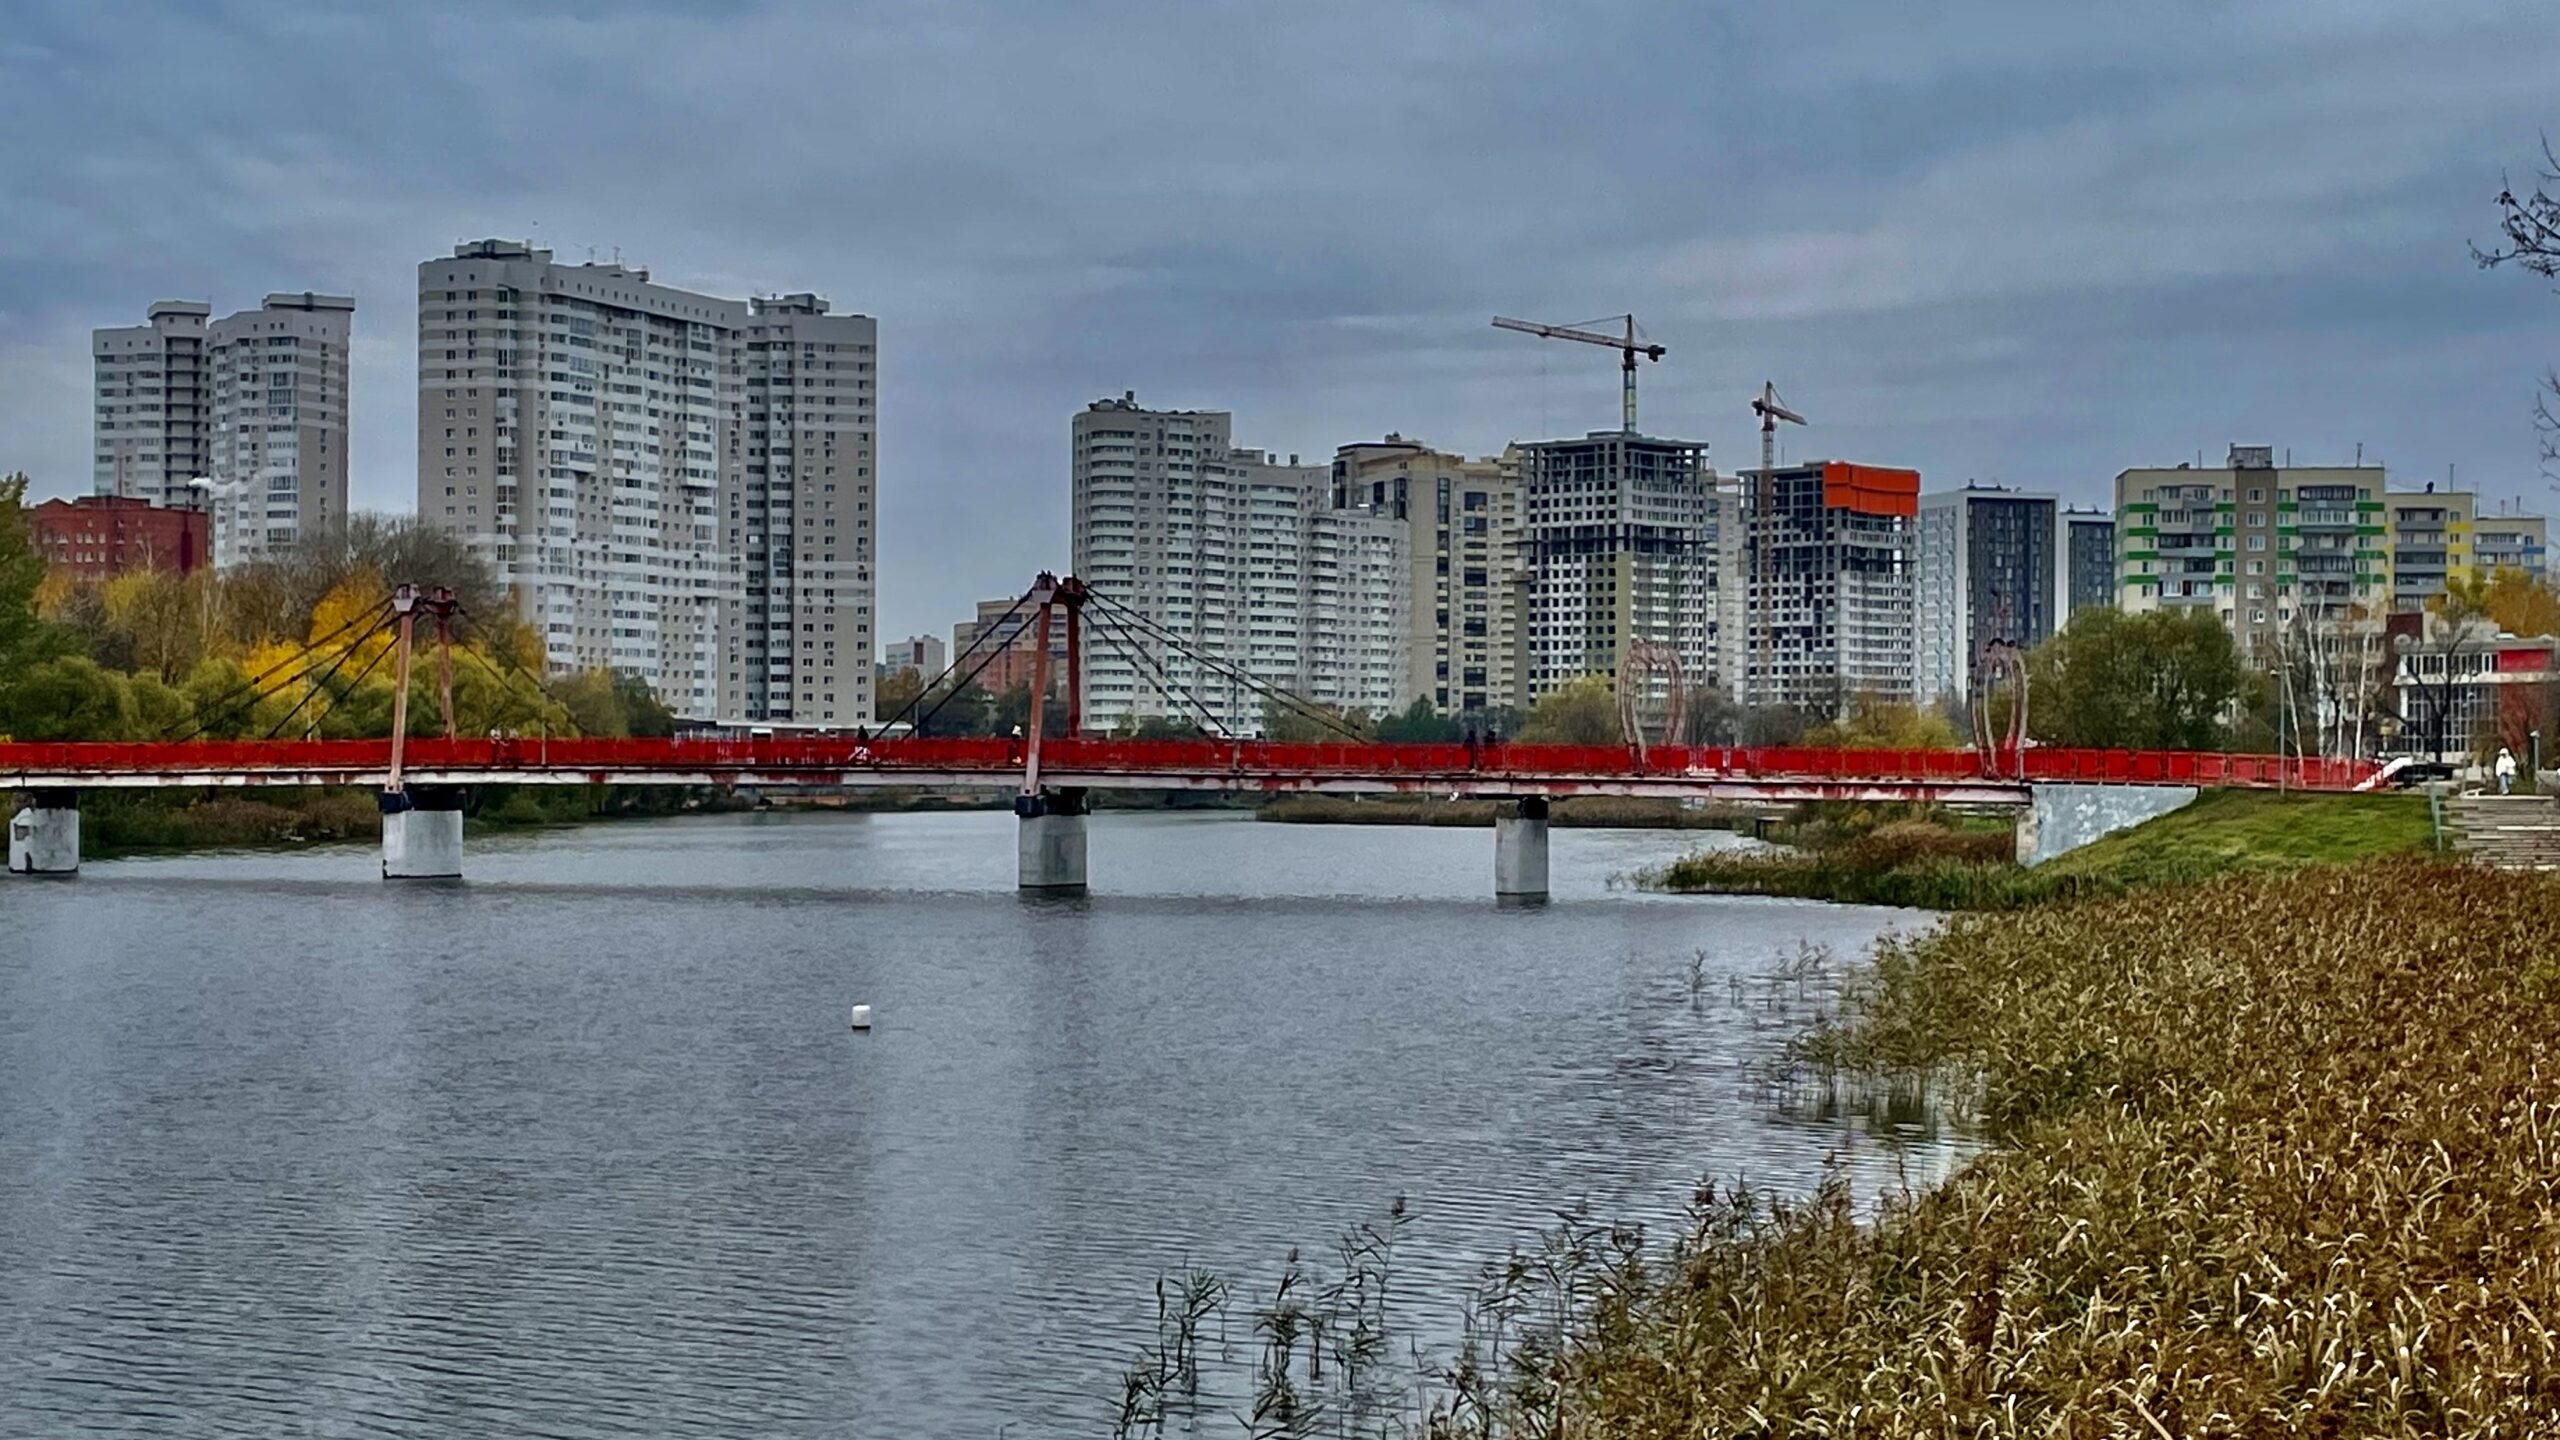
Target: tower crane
1628,349
1771,410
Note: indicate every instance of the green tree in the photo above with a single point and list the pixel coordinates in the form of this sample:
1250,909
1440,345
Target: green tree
24,634
1580,712
69,697
611,703
1298,722
896,692
2158,680
1420,724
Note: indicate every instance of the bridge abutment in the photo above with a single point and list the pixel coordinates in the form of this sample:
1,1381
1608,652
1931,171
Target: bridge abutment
422,833
44,837
1520,849
2061,818
1051,853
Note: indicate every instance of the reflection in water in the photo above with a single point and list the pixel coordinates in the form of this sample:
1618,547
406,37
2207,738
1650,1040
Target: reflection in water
584,1147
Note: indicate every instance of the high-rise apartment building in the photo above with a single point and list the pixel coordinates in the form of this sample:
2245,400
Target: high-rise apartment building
1984,573
1462,522
153,407
673,485
278,441
921,653
1829,610
253,405
2088,559
1621,533
2430,534
1232,563
2257,545
2501,541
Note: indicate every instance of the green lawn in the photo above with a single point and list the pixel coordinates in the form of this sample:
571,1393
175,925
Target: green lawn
1931,866
2253,830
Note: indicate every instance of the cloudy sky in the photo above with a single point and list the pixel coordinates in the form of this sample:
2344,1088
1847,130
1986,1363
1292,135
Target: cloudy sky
2005,240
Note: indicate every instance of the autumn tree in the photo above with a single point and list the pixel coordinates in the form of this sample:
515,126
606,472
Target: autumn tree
1579,712
1876,722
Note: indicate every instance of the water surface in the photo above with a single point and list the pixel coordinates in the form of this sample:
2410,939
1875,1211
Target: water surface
583,1147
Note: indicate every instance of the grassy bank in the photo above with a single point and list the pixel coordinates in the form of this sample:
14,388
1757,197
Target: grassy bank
1587,811
1922,863
2274,1157
115,823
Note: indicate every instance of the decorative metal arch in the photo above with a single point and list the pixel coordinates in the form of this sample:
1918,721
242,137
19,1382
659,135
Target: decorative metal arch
2002,662
1642,658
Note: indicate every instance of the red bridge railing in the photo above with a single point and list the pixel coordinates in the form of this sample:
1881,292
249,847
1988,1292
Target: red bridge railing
1246,760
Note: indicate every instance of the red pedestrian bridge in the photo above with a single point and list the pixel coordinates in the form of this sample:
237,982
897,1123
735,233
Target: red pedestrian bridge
422,780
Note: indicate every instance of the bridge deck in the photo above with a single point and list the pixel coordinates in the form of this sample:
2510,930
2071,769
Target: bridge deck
1764,773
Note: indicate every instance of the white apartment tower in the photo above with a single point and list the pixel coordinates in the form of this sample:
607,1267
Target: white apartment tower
800,517
279,432
253,404
152,405
1226,562
672,485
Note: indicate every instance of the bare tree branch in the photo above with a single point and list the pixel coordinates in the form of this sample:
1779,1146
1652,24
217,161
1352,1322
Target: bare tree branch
2531,225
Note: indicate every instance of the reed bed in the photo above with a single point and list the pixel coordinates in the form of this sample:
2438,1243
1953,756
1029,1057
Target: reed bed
2276,1155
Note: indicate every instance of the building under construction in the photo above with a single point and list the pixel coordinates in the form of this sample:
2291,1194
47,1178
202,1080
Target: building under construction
1829,607
1621,538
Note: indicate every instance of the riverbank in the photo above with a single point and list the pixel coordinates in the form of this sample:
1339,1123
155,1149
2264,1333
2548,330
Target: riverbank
2272,1157
1609,812
1934,866
117,823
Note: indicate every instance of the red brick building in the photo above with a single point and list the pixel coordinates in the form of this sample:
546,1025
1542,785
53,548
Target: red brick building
98,537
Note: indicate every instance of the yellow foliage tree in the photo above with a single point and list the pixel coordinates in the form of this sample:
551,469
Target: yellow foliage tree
1879,724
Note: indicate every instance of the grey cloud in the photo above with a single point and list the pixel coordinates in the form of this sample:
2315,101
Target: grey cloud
1991,238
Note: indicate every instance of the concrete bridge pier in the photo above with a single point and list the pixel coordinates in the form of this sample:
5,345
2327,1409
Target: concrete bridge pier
44,837
1520,850
1051,844
422,833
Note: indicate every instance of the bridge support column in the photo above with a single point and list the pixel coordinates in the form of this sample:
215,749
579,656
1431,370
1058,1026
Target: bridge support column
1520,850
44,838
422,833
2061,818
1051,845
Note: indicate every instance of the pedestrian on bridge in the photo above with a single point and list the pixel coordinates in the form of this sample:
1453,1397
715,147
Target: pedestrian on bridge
2506,770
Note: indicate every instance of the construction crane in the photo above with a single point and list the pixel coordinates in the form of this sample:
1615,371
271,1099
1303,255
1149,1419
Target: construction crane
1628,349
1771,410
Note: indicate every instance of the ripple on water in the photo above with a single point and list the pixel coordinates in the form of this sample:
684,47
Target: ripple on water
583,1148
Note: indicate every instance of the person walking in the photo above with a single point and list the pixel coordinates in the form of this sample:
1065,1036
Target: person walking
2506,770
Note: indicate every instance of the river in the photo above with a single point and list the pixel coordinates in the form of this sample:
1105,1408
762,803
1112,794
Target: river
583,1146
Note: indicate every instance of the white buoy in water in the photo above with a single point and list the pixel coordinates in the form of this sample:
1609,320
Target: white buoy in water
861,1017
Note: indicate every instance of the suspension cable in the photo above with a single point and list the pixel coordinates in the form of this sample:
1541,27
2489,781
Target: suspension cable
1303,707
308,657
984,633
317,686
515,702
1113,633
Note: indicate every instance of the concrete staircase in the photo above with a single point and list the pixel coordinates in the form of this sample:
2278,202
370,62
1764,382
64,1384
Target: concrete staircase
2512,832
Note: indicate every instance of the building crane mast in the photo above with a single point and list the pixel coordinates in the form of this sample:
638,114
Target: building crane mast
1628,349
1771,410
